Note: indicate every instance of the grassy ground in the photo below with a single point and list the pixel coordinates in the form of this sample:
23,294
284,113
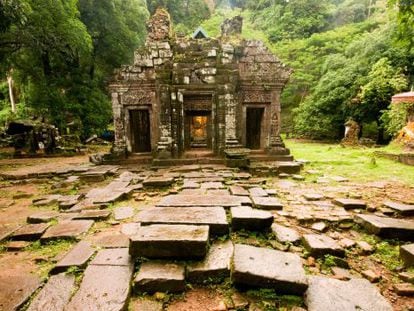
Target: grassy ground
356,163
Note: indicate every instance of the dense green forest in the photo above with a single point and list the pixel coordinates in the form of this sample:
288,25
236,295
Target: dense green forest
349,56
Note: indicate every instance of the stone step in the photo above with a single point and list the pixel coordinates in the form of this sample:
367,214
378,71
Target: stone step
103,288
55,295
170,241
160,163
386,227
328,294
212,216
215,267
267,268
245,217
155,277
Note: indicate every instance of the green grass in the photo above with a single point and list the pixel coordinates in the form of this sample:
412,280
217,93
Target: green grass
356,163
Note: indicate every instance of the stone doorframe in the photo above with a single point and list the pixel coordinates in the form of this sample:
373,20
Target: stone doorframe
127,122
265,126
181,94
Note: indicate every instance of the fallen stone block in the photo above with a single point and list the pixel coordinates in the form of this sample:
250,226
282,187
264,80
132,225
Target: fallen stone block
215,267
407,254
262,267
245,217
160,277
212,216
351,203
267,203
400,208
15,290
319,245
170,241
285,234
29,232
78,256
386,227
68,229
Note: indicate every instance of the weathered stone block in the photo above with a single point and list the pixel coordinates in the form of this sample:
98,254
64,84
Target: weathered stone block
356,294
212,216
170,241
245,217
262,267
407,254
160,277
214,267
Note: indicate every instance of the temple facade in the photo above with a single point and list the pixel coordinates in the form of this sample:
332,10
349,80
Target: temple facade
184,94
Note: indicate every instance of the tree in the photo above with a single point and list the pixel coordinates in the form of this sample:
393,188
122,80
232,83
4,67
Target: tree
375,96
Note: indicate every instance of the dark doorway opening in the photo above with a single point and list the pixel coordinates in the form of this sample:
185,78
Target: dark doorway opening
140,131
198,129
254,118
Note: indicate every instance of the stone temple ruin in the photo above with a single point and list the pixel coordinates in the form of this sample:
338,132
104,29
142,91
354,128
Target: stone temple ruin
203,95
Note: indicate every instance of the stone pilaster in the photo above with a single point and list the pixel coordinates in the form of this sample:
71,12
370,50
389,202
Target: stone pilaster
119,147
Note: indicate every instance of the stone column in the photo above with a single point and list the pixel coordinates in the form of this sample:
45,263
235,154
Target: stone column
230,119
276,145
164,146
119,147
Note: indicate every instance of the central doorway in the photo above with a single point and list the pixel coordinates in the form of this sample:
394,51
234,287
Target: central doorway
140,130
198,129
254,117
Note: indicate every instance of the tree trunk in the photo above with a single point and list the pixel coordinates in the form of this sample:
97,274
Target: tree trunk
11,94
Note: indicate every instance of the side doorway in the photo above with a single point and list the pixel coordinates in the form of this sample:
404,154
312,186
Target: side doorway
254,119
140,130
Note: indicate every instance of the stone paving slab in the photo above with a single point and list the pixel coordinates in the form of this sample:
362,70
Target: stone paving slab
285,235
212,216
78,256
93,214
351,203
130,229
263,267
258,192
68,229
328,294
319,245
158,181
400,208
124,212
15,290
245,217
160,277
212,185
7,230
407,254
215,266
103,288
386,227
112,257
55,295
225,201
170,241
42,217
239,191
29,232
268,203
110,240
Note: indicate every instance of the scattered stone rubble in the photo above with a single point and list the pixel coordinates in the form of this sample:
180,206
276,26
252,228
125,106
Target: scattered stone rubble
210,224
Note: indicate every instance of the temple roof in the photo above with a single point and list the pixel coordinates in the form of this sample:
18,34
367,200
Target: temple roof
407,97
199,33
